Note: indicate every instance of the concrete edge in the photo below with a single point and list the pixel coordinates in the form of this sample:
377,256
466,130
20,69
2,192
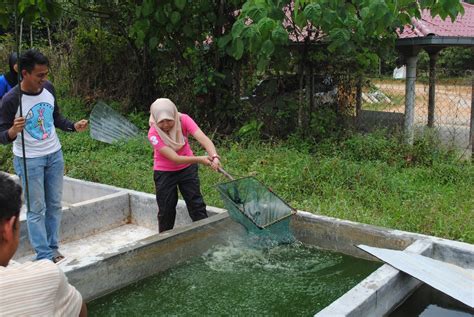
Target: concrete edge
393,233
380,292
96,200
90,214
108,272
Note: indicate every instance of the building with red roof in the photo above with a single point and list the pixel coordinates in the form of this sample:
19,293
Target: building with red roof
462,26
431,34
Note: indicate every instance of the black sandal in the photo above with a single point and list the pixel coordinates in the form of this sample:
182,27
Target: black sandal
59,258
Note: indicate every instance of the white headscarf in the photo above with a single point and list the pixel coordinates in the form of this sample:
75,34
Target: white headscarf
162,109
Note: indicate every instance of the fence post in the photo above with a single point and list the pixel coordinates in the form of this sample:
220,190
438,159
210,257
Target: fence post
358,96
432,86
471,134
410,88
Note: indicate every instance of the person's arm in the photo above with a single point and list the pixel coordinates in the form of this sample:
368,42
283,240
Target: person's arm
83,312
68,301
208,145
9,125
171,155
66,125
3,86
61,122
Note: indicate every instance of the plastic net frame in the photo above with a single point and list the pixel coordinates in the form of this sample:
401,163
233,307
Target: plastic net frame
253,205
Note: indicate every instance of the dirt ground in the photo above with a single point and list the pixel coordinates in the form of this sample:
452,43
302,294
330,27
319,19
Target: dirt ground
452,103
452,108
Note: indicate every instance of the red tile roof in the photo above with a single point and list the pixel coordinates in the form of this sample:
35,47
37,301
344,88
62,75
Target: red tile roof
463,26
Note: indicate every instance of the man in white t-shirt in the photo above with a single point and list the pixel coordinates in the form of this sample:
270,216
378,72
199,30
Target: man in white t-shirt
37,288
40,147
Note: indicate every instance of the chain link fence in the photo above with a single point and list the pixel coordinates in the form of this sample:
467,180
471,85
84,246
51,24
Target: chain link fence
383,106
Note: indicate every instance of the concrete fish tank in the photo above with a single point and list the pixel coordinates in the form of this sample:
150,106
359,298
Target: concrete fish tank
114,252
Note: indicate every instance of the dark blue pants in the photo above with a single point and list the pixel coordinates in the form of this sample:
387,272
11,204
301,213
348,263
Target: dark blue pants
166,186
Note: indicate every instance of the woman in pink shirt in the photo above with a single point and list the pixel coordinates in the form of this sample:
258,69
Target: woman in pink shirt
175,165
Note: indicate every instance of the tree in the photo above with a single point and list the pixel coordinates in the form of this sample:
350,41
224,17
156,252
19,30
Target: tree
352,33
204,44
360,29
29,11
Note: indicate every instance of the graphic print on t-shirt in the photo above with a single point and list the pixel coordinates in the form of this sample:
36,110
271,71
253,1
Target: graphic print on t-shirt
154,140
39,121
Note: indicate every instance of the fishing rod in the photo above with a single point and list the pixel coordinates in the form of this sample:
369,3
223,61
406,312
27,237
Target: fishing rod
25,171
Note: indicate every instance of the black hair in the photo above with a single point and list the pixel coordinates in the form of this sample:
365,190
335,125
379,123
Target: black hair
10,197
12,59
12,76
30,58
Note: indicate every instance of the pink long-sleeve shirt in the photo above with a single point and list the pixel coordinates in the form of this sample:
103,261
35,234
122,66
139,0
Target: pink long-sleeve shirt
161,163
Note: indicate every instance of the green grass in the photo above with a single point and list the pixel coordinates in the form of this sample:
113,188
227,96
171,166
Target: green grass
365,178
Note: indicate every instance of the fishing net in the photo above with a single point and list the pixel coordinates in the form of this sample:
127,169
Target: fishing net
257,208
108,126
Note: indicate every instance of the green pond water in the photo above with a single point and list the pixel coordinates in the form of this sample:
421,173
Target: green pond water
238,279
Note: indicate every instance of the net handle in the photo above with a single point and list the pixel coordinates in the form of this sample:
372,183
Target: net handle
221,170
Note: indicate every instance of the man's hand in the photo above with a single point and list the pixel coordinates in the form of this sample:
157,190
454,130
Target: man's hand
81,126
17,127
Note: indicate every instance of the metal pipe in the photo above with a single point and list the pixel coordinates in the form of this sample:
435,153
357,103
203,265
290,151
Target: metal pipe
410,99
471,134
18,44
432,89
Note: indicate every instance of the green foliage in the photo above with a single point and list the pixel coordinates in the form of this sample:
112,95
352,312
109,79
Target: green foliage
323,123
452,61
6,159
7,45
250,131
101,65
123,164
373,147
139,119
73,108
184,19
180,37
358,30
29,11
427,149
381,147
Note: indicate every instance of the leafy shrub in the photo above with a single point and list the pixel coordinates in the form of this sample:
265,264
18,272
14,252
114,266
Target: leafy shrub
103,66
324,123
6,158
250,131
372,147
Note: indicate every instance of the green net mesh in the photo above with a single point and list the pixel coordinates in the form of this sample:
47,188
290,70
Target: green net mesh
258,209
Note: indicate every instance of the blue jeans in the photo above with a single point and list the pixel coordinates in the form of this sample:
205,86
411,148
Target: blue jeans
45,182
